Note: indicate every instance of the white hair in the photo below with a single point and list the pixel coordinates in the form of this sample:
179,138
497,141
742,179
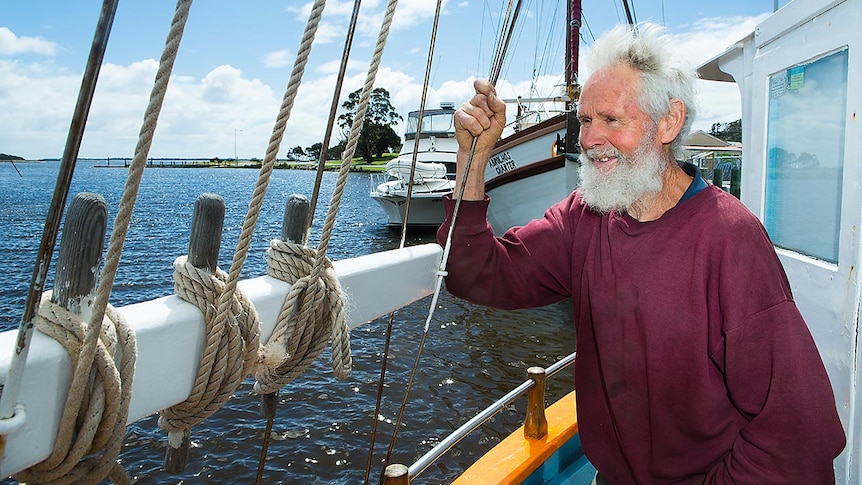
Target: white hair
664,74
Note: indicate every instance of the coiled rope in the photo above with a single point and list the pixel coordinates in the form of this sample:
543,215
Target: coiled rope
92,349
313,311
215,384
97,431
231,342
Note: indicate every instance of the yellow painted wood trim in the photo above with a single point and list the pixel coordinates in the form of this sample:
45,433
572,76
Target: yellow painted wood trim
516,457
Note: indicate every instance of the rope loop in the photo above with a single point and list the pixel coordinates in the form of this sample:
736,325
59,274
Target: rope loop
289,262
94,418
231,349
311,314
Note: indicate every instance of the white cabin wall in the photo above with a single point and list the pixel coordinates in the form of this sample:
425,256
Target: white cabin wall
828,295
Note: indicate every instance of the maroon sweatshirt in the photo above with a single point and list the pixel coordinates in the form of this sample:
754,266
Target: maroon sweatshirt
694,364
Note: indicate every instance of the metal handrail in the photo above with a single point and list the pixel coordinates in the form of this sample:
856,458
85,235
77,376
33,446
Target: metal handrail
456,436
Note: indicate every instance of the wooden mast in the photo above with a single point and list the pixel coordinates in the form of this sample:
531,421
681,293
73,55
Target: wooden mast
573,89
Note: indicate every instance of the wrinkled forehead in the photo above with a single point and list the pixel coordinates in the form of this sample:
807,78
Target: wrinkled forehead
610,89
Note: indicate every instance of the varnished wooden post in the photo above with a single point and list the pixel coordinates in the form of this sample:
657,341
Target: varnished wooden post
535,425
396,474
80,253
204,245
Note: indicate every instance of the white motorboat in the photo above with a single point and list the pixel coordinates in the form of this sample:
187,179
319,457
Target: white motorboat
433,143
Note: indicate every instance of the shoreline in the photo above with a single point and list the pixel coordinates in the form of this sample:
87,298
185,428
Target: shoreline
331,165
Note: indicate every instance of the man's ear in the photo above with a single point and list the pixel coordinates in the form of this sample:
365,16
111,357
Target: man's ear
671,123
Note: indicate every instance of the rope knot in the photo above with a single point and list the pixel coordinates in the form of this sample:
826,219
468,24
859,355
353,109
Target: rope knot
311,314
231,347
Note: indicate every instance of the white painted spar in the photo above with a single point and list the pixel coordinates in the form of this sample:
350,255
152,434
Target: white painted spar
170,338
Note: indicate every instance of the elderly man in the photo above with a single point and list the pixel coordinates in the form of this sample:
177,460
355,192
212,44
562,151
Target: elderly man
694,364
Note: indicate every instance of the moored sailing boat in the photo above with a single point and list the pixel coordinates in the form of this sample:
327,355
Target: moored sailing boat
536,166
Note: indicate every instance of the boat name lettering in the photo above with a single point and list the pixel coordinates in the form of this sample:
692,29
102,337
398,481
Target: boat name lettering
502,163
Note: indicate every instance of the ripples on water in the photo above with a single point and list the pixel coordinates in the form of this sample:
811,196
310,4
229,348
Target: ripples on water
473,355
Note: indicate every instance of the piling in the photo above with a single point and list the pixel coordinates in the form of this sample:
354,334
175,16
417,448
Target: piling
735,182
718,178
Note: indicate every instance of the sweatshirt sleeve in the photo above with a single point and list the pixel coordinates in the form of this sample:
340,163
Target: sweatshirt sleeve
790,431
776,379
526,267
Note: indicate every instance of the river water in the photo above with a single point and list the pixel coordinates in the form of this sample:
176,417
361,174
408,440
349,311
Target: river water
472,356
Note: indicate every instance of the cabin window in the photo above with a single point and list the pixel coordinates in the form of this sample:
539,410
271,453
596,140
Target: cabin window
805,156
434,122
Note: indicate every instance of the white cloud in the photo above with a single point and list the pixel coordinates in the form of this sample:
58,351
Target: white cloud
277,59
11,45
201,113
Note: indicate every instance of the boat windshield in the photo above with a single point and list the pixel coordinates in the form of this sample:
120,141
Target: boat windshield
435,122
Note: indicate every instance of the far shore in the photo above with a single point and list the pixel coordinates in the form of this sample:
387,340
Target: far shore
357,165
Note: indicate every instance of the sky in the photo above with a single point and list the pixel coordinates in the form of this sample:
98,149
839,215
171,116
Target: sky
235,61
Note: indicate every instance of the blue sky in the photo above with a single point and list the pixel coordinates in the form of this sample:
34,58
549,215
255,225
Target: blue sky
236,57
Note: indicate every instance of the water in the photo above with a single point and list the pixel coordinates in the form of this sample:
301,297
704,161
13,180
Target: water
472,356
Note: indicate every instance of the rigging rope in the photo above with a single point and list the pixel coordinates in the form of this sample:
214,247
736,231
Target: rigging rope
309,342
92,349
9,393
214,385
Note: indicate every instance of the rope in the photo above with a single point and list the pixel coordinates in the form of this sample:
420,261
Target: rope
214,383
441,271
91,349
229,342
97,431
310,313
387,343
315,300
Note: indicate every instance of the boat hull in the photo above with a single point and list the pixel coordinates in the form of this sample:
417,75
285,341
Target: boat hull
426,211
555,459
525,176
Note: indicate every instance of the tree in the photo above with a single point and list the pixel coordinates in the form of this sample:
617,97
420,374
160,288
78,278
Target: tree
313,151
376,134
727,131
296,153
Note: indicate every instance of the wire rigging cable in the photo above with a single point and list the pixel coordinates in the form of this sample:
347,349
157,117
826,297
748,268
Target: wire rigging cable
441,273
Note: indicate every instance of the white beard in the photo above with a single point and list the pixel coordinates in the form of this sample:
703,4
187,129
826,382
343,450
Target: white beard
625,184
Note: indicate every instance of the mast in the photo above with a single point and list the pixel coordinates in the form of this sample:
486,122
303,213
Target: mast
573,89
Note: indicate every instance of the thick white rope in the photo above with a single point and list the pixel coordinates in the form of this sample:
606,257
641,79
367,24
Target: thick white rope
214,385
313,310
97,431
91,351
238,343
